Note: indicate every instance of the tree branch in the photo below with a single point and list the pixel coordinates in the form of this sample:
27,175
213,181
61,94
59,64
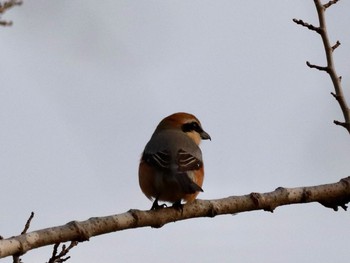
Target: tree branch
6,6
329,195
330,68
27,225
330,3
330,63
16,257
316,66
307,25
60,257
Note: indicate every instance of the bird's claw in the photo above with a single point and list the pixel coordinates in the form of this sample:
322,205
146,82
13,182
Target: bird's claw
156,206
178,206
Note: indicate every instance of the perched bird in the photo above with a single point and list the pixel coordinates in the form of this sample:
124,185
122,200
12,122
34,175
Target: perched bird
171,166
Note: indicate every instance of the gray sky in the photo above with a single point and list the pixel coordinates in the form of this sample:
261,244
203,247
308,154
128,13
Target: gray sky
84,83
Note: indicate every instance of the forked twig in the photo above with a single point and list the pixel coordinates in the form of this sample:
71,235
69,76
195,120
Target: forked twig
59,258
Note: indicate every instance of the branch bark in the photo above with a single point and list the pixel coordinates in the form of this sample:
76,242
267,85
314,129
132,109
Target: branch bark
329,195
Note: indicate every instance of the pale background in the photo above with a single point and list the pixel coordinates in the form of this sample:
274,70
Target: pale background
84,83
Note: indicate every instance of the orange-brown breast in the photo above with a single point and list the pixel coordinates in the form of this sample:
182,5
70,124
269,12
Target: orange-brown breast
147,179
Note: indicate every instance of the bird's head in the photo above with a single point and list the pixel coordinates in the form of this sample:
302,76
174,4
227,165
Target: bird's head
187,123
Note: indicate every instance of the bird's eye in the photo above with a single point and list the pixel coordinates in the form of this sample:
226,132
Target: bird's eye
191,126
196,126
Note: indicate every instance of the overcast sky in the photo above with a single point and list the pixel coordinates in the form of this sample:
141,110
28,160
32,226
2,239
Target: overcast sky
84,83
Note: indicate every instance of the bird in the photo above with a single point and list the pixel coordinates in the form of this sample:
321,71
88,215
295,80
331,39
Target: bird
171,167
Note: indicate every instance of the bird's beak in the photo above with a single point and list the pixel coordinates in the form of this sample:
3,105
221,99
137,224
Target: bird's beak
204,135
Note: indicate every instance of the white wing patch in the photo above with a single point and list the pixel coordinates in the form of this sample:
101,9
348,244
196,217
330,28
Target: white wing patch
187,161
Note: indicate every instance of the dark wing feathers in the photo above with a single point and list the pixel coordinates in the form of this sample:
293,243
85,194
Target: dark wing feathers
184,161
176,160
187,161
161,159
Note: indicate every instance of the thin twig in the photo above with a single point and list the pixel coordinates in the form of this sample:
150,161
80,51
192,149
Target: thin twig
5,7
27,225
337,44
16,258
64,251
330,3
316,66
307,25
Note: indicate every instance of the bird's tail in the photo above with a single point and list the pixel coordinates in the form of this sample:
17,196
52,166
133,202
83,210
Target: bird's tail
187,185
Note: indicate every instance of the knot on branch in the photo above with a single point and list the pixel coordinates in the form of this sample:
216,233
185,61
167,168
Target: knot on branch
261,202
82,233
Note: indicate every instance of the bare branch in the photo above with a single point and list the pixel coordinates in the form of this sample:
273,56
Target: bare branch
5,23
337,44
343,124
330,3
8,4
334,95
330,68
64,251
27,225
309,26
329,195
5,7
330,63
316,67
16,257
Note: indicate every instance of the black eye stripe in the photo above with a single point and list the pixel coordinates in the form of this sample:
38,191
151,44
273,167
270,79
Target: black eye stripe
192,126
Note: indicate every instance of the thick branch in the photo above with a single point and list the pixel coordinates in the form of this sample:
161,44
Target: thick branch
16,257
329,195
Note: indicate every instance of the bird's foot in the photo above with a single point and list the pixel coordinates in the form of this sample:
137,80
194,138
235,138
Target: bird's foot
178,206
156,206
